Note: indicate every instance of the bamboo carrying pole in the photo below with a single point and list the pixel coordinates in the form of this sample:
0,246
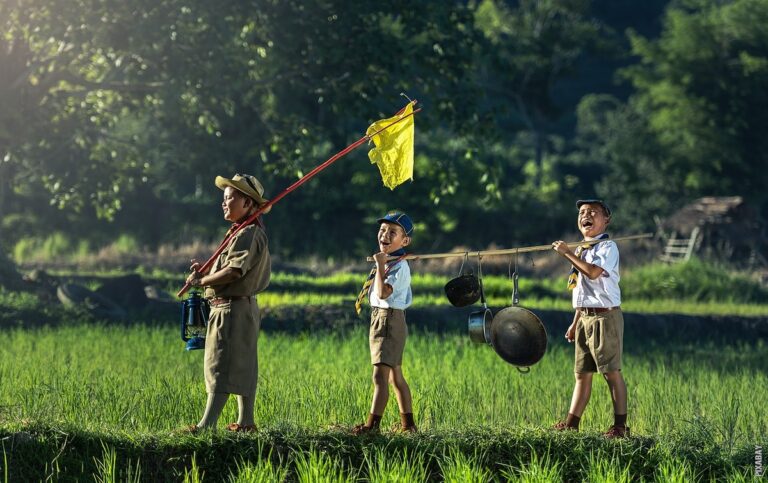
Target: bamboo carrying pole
207,265
512,251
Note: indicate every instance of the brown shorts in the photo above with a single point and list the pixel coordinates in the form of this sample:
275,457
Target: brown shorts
387,336
599,342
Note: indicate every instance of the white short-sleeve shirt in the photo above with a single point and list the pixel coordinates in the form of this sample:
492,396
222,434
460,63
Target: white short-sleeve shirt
399,277
603,291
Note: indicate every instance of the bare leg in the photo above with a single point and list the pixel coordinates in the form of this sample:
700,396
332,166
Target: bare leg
582,390
618,389
402,391
245,405
380,389
213,408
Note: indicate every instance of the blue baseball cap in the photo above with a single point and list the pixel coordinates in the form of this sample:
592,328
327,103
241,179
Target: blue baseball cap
398,218
594,202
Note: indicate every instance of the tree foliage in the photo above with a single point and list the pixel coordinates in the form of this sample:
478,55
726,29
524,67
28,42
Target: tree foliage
110,110
695,124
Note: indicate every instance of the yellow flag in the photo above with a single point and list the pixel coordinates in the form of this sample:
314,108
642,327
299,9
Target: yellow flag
394,148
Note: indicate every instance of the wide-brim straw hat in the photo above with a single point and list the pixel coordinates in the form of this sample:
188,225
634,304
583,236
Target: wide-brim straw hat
246,184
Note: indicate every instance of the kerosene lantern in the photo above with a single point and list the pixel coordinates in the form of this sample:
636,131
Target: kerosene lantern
194,321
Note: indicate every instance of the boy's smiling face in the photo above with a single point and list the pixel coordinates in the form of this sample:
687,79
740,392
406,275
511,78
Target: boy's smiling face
235,205
392,237
592,219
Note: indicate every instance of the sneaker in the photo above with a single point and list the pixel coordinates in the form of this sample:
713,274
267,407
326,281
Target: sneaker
617,432
361,429
241,428
562,426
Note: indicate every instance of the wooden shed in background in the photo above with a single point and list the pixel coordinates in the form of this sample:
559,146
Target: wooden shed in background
722,228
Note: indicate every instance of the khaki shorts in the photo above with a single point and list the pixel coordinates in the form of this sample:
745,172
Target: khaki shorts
387,336
599,342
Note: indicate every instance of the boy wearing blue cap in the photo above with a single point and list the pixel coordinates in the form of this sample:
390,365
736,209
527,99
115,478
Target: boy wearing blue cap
598,324
388,288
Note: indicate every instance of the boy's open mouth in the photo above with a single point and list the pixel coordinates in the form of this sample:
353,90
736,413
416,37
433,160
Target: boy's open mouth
586,223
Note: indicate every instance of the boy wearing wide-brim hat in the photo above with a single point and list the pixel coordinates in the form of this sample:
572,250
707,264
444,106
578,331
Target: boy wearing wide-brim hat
241,271
598,324
388,289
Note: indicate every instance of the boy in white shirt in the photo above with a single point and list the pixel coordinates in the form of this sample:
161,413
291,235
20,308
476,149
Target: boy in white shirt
598,324
389,296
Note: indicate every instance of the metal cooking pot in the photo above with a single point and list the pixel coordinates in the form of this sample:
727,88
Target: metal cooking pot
480,326
517,335
480,320
463,290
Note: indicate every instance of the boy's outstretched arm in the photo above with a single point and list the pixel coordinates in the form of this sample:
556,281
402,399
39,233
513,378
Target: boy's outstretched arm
590,270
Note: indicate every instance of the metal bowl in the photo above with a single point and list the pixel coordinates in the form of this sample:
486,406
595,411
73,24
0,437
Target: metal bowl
463,290
518,336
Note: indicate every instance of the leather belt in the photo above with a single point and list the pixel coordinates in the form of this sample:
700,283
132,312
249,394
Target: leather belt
225,300
595,310
388,310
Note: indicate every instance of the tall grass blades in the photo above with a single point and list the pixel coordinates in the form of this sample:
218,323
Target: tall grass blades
193,474
141,379
316,466
107,470
262,471
674,470
456,467
5,464
538,469
394,467
603,469
106,467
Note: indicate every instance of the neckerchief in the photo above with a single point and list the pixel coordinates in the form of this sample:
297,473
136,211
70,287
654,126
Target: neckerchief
369,281
574,274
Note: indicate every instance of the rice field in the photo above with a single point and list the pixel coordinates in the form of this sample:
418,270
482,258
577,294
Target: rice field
88,401
84,402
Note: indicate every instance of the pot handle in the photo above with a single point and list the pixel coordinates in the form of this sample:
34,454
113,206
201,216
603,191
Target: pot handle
515,295
466,257
480,280
513,276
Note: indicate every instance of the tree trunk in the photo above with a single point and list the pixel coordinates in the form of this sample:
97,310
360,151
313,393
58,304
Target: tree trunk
9,276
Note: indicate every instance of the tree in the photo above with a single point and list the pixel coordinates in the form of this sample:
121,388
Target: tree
532,46
695,125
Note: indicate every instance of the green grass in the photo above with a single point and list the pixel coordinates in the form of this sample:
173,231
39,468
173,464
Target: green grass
100,403
130,387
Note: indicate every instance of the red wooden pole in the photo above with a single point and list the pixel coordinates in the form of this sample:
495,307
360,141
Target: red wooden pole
207,265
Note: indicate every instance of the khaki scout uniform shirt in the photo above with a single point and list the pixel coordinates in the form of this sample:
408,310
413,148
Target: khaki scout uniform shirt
231,362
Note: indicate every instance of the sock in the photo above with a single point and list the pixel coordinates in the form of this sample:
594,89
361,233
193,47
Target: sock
620,420
373,421
213,408
406,420
572,421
